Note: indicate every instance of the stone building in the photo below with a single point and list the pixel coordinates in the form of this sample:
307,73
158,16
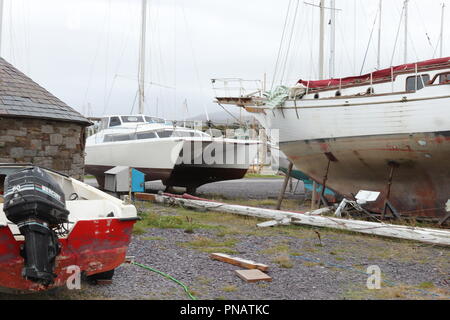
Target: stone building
36,127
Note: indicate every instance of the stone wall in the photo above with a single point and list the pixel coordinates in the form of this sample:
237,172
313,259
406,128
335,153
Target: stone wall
52,144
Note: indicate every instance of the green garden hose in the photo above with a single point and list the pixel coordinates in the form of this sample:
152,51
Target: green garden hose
168,277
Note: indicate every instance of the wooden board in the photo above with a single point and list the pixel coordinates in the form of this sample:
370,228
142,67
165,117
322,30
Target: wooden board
144,196
253,275
239,261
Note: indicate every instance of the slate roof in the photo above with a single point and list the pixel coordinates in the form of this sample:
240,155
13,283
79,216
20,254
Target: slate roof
22,97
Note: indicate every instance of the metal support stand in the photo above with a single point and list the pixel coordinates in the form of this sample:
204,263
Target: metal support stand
445,218
387,204
314,196
324,184
285,183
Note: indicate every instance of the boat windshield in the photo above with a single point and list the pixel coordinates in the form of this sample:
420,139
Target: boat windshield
154,120
146,135
128,119
118,137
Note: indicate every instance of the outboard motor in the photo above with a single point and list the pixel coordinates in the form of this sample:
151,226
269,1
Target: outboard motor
36,203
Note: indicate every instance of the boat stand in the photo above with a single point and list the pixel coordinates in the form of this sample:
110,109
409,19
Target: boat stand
285,183
387,203
324,185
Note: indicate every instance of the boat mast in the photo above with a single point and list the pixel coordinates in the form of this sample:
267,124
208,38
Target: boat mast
379,36
441,36
406,33
332,38
321,40
141,76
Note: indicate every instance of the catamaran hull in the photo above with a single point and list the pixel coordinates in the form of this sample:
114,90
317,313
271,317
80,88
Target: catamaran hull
231,161
155,158
419,163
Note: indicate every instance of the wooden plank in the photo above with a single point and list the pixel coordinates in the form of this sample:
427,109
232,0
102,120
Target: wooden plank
239,261
253,275
144,196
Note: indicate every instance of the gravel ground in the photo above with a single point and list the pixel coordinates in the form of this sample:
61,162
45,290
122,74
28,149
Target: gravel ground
210,279
331,269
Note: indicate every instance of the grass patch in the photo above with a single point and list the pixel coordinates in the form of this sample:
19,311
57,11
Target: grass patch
157,220
153,238
209,245
230,288
284,261
276,249
426,285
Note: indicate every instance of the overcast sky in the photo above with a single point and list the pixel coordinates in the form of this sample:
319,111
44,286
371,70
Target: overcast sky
86,51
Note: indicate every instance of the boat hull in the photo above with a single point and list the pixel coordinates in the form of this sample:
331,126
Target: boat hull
229,160
95,246
154,157
419,164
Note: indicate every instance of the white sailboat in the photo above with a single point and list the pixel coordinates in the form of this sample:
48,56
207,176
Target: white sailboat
385,131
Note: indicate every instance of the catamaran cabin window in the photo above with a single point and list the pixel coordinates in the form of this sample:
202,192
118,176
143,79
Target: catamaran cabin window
114,121
146,135
128,119
118,137
165,134
444,78
417,82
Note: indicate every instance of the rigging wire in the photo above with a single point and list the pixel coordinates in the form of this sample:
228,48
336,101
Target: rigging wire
423,26
368,43
398,32
193,57
281,45
297,53
94,60
289,42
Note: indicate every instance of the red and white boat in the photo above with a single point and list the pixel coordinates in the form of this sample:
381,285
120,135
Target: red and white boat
386,131
91,233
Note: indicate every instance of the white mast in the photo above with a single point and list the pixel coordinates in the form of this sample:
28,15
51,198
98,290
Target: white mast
441,36
141,76
406,33
332,38
321,40
379,36
1,25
